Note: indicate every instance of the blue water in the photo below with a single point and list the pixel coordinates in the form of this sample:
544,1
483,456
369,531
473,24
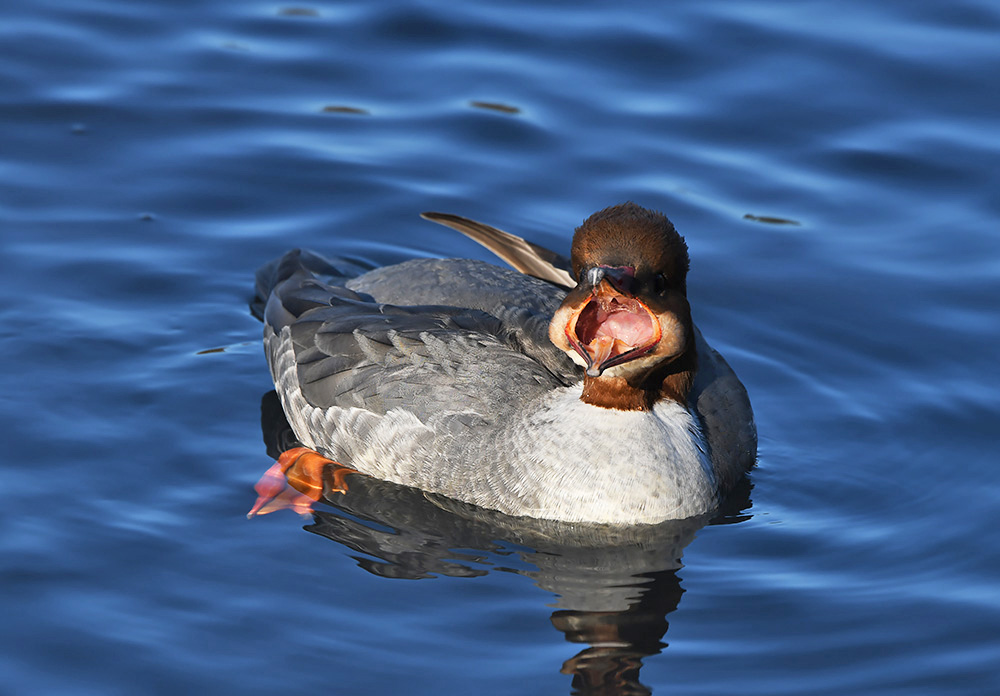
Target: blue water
833,167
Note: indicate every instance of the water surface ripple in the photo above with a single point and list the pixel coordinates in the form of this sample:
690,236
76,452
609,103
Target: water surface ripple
833,168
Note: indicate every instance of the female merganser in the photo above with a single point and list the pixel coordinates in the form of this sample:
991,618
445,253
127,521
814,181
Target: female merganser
575,390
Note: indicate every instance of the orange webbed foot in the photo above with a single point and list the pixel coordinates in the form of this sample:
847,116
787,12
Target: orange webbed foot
295,481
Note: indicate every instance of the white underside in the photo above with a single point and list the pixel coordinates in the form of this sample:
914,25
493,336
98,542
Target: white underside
558,459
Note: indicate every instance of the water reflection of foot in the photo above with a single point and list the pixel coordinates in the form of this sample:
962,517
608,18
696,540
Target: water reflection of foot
614,586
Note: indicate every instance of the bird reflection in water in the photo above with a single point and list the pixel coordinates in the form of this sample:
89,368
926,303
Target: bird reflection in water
614,586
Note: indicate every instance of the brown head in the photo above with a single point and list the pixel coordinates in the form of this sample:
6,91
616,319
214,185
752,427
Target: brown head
628,322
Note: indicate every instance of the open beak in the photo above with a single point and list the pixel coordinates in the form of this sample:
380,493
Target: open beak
612,326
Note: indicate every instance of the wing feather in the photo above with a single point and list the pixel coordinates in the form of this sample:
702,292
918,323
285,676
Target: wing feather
352,351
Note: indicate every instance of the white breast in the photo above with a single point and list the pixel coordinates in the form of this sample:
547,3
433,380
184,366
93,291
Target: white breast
587,463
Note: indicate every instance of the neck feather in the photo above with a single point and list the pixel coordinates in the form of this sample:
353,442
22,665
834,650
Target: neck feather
671,381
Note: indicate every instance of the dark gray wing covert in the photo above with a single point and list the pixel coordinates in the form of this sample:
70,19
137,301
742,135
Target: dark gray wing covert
727,420
351,350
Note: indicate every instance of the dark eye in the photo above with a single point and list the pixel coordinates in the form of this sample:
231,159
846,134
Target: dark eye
660,282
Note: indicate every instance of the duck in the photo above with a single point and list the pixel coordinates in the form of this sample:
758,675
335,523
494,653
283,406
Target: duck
572,389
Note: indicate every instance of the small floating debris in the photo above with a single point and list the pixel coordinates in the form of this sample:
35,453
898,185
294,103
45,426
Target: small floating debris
495,106
337,109
771,220
226,349
147,217
298,12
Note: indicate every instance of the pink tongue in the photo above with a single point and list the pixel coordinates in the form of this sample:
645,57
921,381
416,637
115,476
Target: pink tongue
625,326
